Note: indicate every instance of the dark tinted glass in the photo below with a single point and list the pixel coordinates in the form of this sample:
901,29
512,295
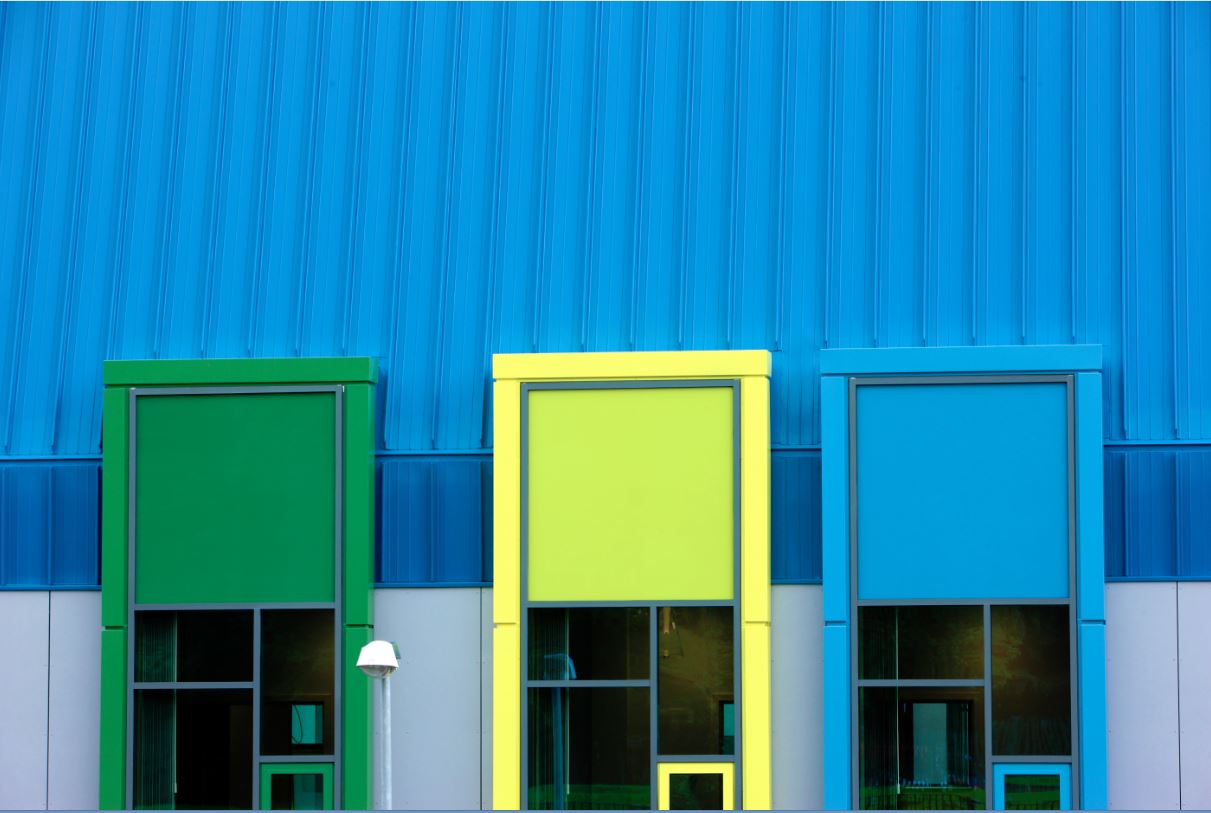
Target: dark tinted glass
193,749
296,791
589,643
921,642
921,748
589,749
193,645
695,671
695,791
1032,792
297,669
1031,690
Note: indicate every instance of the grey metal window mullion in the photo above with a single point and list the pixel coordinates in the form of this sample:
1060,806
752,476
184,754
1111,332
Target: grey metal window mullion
588,684
653,706
987,707
1035,759
905,683
196,684
256,709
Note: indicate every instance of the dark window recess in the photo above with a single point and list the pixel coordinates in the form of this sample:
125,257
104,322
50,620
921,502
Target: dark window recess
193,645
296,791
921,748
589,749
696,677
1031,689
297,682
1032,792
193,749
695,791
921,643
590,643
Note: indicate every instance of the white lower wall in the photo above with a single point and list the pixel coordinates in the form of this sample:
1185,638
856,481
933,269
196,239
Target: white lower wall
74,721
24,686
1194,692
1143,765
796,650
436,719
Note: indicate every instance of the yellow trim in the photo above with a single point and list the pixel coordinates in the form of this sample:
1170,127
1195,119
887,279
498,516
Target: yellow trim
506,597
665,770
752,368
598,366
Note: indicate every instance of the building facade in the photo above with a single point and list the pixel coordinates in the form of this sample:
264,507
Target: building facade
840,368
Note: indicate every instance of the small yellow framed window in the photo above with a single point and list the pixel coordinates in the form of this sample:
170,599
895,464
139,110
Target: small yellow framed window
696,785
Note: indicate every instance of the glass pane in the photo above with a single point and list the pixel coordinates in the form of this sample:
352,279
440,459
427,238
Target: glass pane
695,791
1031,691
178,734
194,645
695,671
924,642
296,791
589,643
921,748
589,749
1032,792
297,678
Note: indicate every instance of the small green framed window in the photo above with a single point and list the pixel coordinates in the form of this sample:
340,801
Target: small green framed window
296,786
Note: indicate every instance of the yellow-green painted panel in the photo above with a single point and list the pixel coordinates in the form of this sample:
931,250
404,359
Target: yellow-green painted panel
630,494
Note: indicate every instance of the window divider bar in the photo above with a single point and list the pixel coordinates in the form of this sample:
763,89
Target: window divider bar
893,683
193,684
588,684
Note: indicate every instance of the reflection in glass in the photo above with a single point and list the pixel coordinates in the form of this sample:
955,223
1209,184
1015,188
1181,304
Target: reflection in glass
695,670
297,679
193,749
1032,792
1031,691
921,748
695,791
925,642
589,749
588,643
193,645
296,791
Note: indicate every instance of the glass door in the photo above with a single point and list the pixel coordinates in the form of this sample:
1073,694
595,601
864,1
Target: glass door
296,786
1032,786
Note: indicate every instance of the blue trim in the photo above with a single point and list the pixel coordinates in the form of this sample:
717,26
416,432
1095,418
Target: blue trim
834,503
42,588
413,585
1090,513
1002,769
1091,657
836,717
1064,358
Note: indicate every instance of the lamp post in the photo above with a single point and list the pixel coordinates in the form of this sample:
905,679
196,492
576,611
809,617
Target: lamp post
378,659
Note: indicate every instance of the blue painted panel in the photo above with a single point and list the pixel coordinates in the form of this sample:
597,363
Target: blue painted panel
836,717
435,521
962,491
834,499
1091,652
49,521
1090,482
795,517
915,360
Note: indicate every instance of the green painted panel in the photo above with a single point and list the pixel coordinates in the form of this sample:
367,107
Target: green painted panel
112,776
359,504
358,762
115,408
235,498
184,372
630,494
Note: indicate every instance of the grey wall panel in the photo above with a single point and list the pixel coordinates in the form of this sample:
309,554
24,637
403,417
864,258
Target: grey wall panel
75,703
435,717
1141,696
796,632
485,699
24,654
1194,692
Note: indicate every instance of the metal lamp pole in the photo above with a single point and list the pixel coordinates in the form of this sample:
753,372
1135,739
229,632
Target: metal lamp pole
379,659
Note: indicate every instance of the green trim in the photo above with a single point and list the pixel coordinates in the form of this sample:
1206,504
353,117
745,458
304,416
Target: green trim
357,761
269,769
186,372
359,505
115,414
112,792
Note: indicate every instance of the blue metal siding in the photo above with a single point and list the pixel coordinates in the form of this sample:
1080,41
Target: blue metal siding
429,184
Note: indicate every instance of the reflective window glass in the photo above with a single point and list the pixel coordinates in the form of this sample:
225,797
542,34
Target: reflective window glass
193,645
297,681
921,748
296,791
1032,792
1031,690
695,791
921,642
589,749
589,643
178,736
695,670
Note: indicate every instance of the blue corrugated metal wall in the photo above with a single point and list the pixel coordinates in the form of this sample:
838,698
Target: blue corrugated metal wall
430,184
